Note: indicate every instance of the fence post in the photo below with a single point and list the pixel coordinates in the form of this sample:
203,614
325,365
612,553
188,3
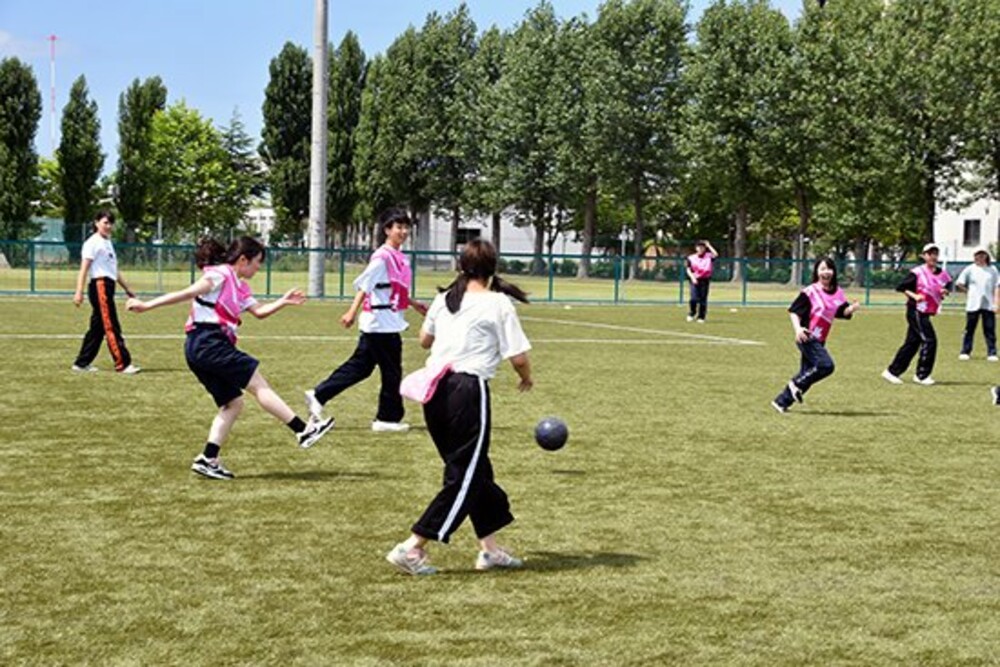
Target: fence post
681,274
743,263
192,264
618,261
413,274
31,264
343,253
551,276
868,283
270,255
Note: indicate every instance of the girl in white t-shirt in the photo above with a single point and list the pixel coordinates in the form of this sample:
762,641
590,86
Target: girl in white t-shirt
982,282
218,299
470,328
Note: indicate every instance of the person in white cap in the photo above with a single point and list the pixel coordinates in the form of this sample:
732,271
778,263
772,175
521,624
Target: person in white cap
925,287
980,281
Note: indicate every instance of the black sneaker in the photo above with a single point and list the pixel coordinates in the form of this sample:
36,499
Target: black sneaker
211,468
995,393
314,431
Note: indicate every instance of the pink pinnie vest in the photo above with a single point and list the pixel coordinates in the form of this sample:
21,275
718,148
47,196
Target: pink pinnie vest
228,305
398,267
931,286
701,266
824,307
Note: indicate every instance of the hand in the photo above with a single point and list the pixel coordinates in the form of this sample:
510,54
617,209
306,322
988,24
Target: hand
694,281
802,335
294,297
420,307
136,306
919,297
525,384
854,307
77,299
347,319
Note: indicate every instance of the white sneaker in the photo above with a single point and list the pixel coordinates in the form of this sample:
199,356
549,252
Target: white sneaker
413,561
690,318
83,369
313,406
963,357
777,406
993,357
701,321
889,377
499,559
927,381
131,369
314,431
390,427
995,393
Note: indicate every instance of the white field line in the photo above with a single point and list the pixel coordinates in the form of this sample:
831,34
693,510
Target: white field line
718,340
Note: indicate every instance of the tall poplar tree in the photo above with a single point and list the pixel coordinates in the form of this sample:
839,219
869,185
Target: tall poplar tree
80,163
136,107
347,80
20,111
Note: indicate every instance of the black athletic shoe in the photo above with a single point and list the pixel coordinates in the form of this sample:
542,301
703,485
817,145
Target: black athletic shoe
314,431
211,468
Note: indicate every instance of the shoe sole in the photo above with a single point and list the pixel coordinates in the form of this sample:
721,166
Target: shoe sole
406,570
210,474
310,399
381,429
777,407
306,444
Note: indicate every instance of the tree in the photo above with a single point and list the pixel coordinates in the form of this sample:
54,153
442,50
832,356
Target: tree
50,198
347,81
194,188
286,135
20,111
137,106
243,159
80,163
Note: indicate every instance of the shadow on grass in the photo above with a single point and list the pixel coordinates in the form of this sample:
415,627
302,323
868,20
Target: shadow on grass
312,476
851,413
550,561
569,473
955,383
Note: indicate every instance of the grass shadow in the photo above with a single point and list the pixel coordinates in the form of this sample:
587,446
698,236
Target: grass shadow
960,383
569,473
312,475
552,561
850,413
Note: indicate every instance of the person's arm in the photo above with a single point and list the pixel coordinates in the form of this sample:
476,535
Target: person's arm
711,249
799,312
347,319
293,297
121,281
418,306
522,365
202,286
426,339
847,310
687,267
80,279
909,287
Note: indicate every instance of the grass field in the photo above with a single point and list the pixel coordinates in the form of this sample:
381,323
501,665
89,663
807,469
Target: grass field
685,523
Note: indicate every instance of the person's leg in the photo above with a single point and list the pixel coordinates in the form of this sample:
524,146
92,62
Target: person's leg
785,398
928,347
990,331
971,320
388,352
269,399
693,301
704,283
112,328
910,346
820,365
358,367
95,332
223,422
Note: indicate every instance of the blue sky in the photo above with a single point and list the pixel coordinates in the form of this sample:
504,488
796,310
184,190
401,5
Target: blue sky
214,54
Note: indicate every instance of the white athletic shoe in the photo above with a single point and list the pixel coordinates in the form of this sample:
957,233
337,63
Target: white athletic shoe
963,357
927,381
889,377
995,393
83,369
500,559
993,357
314,431
313,406
777,406
690,318
131,369
413,561
701,321
390,427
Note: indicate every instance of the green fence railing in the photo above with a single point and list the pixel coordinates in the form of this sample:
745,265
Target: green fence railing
50,268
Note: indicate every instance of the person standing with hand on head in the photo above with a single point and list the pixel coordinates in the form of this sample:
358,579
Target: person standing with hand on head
470,328
925,288
981,281
699,270
383,295
218,299
812,313
99,264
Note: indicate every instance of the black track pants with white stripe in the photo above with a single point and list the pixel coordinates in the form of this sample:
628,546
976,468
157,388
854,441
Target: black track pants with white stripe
458,418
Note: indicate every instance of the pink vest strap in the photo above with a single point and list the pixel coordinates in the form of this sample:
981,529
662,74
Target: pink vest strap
398,267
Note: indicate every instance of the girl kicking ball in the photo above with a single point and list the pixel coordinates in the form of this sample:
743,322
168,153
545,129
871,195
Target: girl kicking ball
812,313
470,328
218,299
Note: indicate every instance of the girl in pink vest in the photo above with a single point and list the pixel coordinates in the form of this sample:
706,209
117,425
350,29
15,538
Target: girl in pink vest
383,295
812,313
218,299
699,270
925,287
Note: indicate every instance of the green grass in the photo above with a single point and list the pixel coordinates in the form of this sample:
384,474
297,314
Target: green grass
684,523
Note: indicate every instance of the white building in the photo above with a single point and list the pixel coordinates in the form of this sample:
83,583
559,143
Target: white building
434,232
958,232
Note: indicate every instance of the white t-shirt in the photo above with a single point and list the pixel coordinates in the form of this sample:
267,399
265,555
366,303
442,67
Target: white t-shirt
378,320
981,282
484,332
101,254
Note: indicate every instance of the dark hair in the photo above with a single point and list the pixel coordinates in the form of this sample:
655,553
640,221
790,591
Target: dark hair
104,213
211,253
479,262
388,218
829,262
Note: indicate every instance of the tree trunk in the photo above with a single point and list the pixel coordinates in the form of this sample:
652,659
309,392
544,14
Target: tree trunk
456,217
861,261
740,242
589,226
497,228
541,223
798,250
637,242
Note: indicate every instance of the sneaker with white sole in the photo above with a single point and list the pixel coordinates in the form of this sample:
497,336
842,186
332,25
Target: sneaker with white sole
390,427
131,369
927,381
313,406
995,393
83,369
211,468
500,559
963,357
779,407
314,431
796,392
690,318
889,377
993,357
410,561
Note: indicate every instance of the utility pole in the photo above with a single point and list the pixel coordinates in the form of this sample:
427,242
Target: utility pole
317,171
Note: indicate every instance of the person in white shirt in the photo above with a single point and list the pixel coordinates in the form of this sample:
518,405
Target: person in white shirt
383,295
99,264
981,282
470,328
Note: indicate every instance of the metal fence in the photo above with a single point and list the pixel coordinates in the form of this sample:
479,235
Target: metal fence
51,268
